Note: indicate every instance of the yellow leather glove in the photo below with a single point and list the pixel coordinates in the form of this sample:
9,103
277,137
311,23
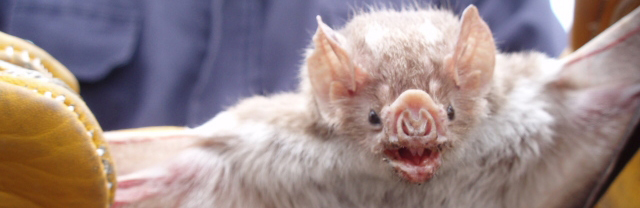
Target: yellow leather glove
52,153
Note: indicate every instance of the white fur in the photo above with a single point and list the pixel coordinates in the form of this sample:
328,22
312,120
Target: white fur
375,35
434,86
430,32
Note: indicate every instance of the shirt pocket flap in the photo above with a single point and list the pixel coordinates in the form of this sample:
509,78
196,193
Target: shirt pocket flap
91,38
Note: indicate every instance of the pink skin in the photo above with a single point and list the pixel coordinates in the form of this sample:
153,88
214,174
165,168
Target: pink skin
415,128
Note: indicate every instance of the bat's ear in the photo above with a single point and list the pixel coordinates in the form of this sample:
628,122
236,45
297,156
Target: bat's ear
472,62
332,73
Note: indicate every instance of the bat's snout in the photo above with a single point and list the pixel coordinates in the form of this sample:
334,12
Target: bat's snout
411,118
412,126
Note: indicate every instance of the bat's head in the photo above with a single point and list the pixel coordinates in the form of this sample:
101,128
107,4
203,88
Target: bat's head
406,85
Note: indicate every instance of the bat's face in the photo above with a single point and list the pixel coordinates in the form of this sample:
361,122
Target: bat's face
414,134
406,89
410,123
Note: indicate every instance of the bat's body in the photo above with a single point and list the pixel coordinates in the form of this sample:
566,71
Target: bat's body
407,109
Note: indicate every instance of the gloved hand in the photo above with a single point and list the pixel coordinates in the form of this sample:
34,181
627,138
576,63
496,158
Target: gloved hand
52,153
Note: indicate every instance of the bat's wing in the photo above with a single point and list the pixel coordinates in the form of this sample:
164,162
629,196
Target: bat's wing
139,155
612,56
191,175
603,81
157,167
138,149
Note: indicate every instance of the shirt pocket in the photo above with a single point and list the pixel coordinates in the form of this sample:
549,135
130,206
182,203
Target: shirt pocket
90,37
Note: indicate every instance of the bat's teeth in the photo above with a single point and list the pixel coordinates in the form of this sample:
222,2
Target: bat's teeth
416,151
395,146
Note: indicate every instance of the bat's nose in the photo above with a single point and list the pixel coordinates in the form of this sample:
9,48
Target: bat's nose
415,122
412,118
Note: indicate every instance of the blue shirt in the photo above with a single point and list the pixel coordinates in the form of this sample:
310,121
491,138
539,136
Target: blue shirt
167,62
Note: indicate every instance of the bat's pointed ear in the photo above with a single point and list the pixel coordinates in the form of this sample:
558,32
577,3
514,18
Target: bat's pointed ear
332,73
472,62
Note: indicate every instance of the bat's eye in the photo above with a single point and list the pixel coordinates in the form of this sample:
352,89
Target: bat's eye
373,118
451,113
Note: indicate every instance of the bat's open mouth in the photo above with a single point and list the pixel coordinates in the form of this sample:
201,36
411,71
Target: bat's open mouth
415,164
